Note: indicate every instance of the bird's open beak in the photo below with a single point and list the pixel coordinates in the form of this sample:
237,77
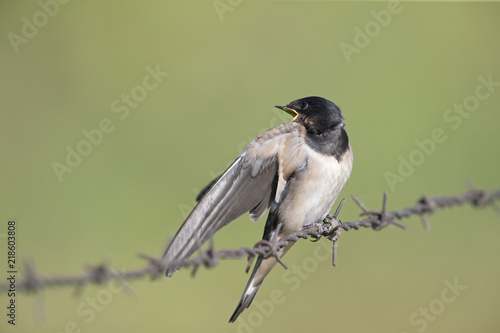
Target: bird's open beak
288,110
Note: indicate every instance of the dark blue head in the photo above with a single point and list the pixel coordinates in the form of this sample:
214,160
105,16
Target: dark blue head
315,113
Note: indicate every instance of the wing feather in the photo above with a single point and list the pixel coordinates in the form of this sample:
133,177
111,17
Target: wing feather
247,185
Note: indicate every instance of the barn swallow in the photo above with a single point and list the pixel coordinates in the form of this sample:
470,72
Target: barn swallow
295,169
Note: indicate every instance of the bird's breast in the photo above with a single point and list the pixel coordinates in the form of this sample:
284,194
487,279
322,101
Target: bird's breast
312,191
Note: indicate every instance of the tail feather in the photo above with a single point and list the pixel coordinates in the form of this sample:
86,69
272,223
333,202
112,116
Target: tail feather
260,271
245,302
248,294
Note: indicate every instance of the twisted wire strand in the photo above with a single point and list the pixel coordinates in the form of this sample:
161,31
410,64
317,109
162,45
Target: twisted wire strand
329,229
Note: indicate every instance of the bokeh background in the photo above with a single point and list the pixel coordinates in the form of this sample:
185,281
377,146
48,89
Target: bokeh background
228,64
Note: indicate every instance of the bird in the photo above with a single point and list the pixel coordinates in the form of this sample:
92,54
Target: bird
296,170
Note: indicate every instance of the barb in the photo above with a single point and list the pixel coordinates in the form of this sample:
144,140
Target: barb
330,229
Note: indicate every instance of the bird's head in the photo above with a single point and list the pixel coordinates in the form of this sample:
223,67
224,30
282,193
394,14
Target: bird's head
315,113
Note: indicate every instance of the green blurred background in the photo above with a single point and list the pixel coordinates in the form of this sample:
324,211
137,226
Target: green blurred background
227,70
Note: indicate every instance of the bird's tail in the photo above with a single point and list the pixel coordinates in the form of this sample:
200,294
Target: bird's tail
261,269
249,293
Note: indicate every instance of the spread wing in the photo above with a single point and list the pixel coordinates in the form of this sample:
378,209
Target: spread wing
248,185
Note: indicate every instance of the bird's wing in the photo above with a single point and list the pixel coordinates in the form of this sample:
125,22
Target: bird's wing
249,184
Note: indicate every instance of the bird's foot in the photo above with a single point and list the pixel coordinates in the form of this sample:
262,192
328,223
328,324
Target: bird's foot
321,229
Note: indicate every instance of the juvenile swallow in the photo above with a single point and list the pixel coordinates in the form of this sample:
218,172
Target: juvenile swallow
295,169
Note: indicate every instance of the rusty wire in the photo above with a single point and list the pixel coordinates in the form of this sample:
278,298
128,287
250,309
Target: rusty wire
330,229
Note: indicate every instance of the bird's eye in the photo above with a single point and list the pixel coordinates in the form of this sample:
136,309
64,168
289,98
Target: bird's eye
303,105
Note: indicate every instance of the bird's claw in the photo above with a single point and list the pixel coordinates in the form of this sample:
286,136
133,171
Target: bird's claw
321,229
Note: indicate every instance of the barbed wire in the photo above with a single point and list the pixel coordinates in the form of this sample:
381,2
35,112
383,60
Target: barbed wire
330,229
